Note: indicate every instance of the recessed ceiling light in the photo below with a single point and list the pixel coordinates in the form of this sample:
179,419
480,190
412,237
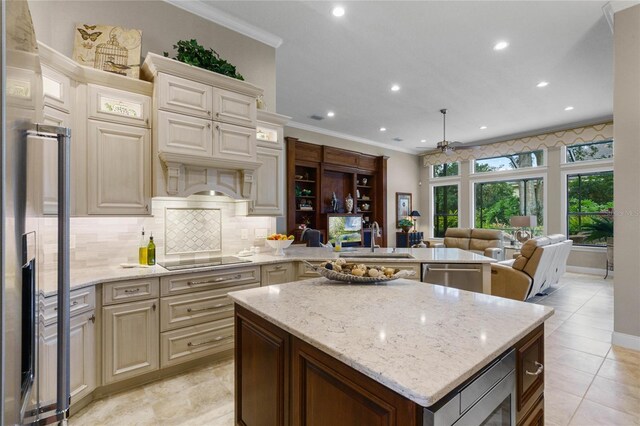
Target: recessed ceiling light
383,129
501,45
423,140
331,114
338,11
542,84
395,88
483,127
569,108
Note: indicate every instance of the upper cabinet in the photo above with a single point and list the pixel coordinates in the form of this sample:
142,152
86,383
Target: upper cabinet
110,120
204,130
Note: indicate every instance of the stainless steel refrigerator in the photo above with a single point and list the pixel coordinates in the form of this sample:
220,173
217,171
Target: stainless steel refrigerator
21,156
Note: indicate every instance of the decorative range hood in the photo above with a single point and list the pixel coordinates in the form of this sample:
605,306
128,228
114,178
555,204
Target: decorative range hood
187,174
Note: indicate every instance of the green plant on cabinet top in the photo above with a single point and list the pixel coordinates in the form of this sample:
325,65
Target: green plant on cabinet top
192,53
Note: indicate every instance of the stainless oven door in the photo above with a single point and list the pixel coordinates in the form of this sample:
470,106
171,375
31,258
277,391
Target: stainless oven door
496,408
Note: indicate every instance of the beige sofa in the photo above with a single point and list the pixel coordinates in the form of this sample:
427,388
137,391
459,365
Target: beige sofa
488,242
541,263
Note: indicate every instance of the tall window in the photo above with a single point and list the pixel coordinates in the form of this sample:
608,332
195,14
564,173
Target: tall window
496,202
509,162
590,151
445,208
446,169
589,203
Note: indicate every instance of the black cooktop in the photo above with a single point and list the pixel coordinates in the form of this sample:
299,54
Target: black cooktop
174,265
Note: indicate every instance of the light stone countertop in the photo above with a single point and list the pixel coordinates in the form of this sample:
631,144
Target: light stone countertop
93,276
418,339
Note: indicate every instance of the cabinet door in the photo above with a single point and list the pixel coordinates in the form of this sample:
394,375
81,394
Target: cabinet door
529,371
268,198
277,274
118,169
182,134
234,142
131,340
56,88
261,370
82,358
234,108
118,106
183,96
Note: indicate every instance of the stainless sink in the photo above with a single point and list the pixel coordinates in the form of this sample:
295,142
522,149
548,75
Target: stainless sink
377,255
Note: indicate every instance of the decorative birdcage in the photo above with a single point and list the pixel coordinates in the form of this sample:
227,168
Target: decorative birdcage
112,57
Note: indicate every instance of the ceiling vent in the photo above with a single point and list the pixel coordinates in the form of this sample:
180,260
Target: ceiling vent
317,117
398,139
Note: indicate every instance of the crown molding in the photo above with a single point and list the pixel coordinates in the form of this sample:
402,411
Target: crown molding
210,13
340,135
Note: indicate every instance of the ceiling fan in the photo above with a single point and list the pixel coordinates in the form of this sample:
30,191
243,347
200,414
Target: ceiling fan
445,146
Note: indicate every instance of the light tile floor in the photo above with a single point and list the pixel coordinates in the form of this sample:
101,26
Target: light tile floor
588,382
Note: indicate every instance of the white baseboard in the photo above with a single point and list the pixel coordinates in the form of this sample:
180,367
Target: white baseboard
628,341
590,271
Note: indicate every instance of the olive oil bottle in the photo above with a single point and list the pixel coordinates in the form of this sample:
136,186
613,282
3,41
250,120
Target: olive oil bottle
142,250
151,251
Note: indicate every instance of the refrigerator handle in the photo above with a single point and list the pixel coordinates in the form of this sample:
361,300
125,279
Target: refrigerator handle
63,386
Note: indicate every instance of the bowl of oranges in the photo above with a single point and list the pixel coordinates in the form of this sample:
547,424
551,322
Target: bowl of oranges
279,242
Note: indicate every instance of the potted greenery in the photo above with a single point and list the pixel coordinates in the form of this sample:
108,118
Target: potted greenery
601,228
192,53
405,224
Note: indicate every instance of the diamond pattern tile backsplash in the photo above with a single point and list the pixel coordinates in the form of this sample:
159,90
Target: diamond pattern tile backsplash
189,230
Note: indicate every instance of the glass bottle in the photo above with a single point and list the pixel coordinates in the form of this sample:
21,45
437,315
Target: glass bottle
142,250
151,251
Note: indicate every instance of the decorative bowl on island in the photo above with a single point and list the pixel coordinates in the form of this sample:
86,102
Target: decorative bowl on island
279,242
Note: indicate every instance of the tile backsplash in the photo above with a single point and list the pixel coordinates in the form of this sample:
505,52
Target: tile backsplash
109,241
190,231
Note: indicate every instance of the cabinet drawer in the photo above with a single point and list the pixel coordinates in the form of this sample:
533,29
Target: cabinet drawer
182,134
529,371
234,142
277,274
184,96
197,341
81,300
128,291
56,88
536,415
234,108
305,272
224,279
197,308
119,106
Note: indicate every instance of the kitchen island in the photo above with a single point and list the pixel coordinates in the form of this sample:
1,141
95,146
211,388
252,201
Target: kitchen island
321,352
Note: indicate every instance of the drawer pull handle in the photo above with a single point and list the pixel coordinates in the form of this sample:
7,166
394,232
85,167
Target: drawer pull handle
219,305
217,114
215,280
208,112
74,303
430,269
135,290
153,307
537,372
92,318
208,342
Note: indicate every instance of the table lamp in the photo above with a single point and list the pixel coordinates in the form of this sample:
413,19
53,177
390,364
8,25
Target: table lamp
414,214
525,223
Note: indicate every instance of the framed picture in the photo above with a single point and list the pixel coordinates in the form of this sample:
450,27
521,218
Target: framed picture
403,206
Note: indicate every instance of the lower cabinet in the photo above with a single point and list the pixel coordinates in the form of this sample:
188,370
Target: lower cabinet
82,358
130,339
277,274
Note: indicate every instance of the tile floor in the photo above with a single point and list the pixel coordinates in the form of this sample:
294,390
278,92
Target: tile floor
588,382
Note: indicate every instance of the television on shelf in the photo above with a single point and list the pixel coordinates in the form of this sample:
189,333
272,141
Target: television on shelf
346,227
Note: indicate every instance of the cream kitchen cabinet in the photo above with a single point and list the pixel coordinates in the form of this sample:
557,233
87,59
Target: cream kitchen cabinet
234,108
182,134
118,169
268,198
233,142
279,273
130,340
183,96
81,354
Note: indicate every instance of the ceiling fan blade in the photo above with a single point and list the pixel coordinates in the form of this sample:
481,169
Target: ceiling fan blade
431,151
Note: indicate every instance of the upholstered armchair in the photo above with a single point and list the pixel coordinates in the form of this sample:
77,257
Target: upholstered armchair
541,263
488,242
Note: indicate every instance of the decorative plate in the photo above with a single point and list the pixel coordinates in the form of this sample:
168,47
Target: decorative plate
353,279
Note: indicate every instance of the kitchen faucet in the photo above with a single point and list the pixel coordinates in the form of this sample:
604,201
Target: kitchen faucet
375,230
